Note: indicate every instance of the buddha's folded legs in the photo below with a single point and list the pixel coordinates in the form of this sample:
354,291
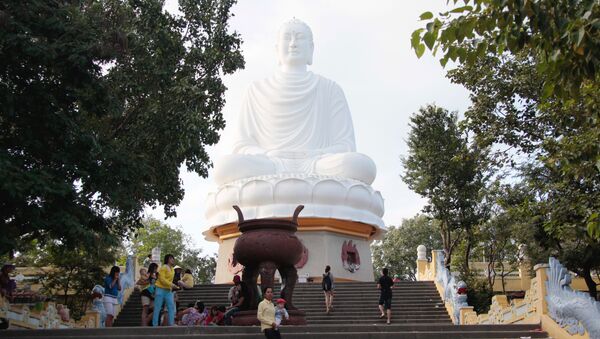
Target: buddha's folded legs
351,165
238,166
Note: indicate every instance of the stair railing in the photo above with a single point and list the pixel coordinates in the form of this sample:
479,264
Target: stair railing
453,292
550,300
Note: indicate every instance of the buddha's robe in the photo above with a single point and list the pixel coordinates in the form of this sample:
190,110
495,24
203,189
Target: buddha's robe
295,123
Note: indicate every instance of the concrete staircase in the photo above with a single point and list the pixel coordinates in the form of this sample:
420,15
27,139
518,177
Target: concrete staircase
413,303
417,312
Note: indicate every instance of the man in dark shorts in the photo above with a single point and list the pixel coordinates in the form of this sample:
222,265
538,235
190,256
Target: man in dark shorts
385,285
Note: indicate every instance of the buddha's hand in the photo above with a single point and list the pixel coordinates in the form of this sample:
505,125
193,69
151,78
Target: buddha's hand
288,154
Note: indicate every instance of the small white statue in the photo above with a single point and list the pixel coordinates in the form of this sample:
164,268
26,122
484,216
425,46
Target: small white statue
295,121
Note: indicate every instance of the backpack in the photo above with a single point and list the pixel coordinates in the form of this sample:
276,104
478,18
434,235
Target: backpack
326,283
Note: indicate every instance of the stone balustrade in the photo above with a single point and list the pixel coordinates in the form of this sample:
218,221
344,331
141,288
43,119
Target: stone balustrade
22,316
550,299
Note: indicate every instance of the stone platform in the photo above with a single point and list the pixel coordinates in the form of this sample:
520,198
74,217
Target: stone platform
346,331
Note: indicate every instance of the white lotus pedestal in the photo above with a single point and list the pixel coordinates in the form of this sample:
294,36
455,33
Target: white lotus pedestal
340,220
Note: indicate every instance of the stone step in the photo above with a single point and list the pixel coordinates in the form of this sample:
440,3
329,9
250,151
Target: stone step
337,308
320,335
314,293
373,316
190,298
394,330
356,311
316,301
395,303
320,292
381,321
317,287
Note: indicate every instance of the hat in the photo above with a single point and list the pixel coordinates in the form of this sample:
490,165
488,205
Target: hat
281,301
177,267
236,279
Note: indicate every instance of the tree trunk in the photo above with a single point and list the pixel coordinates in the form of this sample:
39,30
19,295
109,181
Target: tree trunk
467,254
502,275
589,281
447,242
490,274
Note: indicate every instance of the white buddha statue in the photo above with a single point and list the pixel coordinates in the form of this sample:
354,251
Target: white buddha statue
295,122
294,145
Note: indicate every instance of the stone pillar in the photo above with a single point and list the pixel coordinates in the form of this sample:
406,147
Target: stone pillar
525,275
524,268
421,262
468,316
435,254
541,275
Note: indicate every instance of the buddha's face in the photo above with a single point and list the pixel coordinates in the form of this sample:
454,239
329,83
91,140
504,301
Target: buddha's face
294,45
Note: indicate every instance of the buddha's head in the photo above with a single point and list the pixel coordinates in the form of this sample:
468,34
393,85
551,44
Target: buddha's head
295,44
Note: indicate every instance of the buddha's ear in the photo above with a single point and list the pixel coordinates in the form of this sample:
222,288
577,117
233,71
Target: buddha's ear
310,55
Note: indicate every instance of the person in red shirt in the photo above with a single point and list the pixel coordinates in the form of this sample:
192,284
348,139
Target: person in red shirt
215,317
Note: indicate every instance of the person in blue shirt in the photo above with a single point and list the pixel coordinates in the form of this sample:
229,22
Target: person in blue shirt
112,286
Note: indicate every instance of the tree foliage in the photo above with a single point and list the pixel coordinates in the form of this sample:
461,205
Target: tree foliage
553,149
101,102
172,240
563,35
532,69
397,251
70,273
561,39
444,167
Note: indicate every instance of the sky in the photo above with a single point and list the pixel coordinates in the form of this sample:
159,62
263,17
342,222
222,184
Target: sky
365,48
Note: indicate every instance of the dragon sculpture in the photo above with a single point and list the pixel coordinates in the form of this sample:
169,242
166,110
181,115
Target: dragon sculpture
573,310
454,292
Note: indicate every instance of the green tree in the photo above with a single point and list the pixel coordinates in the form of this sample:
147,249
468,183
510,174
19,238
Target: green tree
497,239
172,240
552,145
563,35
101,102
563,206
74,271
561,39
398,249
203,267
156,233
451,172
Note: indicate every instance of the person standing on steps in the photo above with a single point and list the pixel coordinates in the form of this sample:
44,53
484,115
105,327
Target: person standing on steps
385,285
266,315
327,284
163,292
112,286
147,295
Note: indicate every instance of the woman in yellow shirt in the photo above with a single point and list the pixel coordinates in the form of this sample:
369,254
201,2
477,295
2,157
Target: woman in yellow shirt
266,315
163,293
187,281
